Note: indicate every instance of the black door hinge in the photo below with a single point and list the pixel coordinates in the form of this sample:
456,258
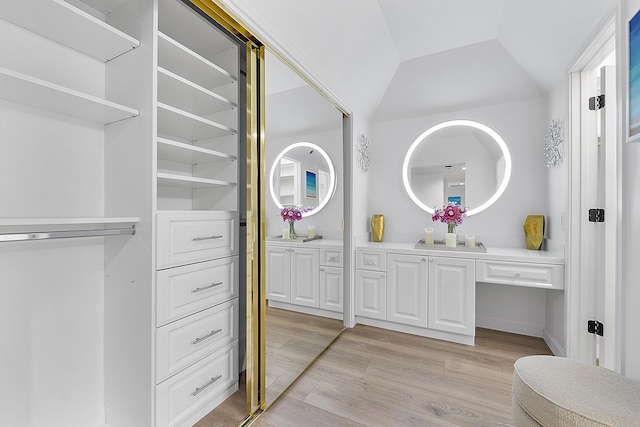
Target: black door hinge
595,327
596,215
596,102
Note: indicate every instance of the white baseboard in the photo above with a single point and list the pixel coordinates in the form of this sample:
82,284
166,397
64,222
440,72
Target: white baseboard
510,326
553,344
306,310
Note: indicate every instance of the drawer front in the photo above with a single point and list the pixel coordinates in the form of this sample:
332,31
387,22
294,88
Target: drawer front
198,387
331,257
185,238
184,342
376,261
182,291
547,276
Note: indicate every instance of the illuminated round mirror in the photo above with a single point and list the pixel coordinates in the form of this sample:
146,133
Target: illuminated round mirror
302,175
459,161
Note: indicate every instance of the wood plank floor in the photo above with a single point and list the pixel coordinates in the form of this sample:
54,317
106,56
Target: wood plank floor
376,378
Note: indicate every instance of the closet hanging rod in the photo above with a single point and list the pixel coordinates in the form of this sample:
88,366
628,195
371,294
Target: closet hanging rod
43,235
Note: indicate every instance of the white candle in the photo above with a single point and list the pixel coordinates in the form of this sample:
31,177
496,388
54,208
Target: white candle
470,240
285,233
450,241
311,231
428,236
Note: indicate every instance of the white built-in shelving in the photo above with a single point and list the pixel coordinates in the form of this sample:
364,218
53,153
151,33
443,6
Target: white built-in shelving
187,153
179,123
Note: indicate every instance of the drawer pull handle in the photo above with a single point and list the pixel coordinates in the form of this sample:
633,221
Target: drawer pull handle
199,340
197,239
369,262
204,288
517,274
209,384
332,259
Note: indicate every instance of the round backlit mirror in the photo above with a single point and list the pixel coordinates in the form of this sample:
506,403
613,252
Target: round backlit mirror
458,161
302,175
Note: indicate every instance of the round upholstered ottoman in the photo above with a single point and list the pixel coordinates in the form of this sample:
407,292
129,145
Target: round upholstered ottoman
555,391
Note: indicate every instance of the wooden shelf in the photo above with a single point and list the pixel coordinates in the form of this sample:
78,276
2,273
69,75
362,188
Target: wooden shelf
66,24
186,95
183,181
184,62
185,153
179,123
22,89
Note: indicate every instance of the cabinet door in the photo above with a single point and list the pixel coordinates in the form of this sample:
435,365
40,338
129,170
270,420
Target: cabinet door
371,294
305,277
331,288
279,274
452,295
407,289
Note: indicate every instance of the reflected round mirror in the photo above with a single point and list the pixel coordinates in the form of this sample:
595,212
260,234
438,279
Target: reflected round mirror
461,161
302,175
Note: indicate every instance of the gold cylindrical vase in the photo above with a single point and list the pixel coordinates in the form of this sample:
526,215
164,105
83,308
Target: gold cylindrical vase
377,227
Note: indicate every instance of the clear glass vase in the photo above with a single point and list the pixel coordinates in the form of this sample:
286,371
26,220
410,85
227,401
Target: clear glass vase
292,230
451,238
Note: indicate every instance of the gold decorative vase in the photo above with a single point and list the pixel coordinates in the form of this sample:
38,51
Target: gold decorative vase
377,227
534,231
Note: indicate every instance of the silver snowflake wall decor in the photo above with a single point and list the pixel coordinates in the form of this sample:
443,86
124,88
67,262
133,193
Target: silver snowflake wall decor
364,153
553,145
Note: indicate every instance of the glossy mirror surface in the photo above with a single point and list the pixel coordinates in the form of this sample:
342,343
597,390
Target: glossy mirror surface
462,161
303,175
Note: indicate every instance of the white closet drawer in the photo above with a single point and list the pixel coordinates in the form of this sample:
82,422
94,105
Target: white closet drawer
331,257
376,261
196,390
184,342
188,237
547,276
182,291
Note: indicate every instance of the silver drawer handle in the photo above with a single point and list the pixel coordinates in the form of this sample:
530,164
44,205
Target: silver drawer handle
204,288
197,239
199,340
209,384
517,274
332,259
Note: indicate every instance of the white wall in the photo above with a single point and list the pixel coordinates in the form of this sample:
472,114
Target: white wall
328,221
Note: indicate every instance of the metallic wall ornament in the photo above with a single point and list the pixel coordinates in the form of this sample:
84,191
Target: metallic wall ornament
553,145
364,153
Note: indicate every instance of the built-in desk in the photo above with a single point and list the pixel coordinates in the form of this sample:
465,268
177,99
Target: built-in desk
431,292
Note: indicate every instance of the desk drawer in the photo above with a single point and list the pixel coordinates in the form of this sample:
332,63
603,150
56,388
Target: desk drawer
547,276
182,291
186,394
375,261
331,257
189,237
184,342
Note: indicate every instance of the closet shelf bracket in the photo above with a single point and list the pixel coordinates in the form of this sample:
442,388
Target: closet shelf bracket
44,235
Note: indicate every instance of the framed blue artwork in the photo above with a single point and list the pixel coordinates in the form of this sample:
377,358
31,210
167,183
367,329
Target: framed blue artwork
454,199
633,101
311,191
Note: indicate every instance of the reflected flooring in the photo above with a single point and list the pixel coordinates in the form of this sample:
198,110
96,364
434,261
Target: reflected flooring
294,340
375,377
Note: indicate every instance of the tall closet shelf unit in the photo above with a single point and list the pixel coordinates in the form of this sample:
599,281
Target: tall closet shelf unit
27,90
77,30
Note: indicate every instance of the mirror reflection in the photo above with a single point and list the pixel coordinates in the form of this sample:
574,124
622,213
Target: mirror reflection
460,161
303,149
303,175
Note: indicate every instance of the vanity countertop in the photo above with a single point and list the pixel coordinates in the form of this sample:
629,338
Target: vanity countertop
319,243
493,253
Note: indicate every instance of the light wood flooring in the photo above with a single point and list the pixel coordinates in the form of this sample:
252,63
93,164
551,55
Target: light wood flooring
376,378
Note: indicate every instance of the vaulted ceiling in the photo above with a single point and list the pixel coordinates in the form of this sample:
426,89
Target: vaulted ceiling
399,58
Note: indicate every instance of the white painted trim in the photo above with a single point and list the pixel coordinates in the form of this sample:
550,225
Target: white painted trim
416,330
510,326
306,310
553,344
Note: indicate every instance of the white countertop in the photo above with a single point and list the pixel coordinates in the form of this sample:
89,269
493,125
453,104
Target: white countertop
493,253
318,243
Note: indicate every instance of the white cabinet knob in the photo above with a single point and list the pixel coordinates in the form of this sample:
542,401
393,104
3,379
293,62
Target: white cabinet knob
517,274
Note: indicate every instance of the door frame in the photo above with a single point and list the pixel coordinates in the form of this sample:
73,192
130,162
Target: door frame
579,303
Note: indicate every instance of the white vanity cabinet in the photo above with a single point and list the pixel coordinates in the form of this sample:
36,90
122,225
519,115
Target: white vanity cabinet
407,289
305,277
452,295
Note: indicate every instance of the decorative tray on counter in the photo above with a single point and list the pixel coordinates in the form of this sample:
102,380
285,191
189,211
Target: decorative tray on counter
299,239
461,247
